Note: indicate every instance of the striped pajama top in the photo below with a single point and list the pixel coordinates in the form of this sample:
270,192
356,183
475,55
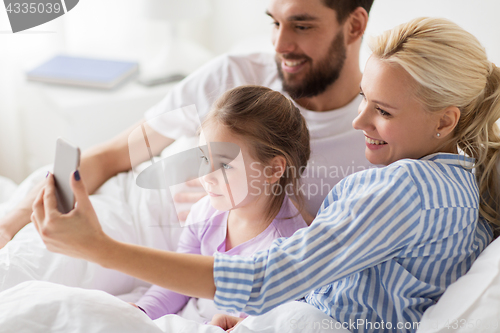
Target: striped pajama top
383,248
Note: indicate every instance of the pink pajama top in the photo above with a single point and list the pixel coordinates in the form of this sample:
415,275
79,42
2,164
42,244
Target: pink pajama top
205,233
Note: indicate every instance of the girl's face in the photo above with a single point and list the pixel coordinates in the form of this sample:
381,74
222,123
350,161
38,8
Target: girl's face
394,122
230,183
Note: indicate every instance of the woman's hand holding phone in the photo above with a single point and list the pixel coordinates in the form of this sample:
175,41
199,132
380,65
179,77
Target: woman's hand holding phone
70,233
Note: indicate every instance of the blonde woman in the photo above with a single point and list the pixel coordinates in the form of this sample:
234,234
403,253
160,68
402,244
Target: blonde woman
386,242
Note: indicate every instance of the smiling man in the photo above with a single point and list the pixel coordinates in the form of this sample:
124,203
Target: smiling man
317,50
316,64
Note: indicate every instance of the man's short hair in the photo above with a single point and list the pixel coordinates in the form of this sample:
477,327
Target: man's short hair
346,7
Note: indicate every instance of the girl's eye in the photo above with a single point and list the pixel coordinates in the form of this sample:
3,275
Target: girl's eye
204,158
275,24
362,94
226,166
383,113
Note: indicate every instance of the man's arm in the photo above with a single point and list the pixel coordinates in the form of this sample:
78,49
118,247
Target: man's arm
106,160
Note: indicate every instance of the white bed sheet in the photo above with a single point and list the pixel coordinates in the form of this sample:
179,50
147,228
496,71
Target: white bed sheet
41,307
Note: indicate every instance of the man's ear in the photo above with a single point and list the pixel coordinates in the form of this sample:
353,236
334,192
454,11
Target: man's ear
355,25
448,121
278,167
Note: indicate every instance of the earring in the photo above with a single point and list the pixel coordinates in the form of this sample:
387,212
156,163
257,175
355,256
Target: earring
438,135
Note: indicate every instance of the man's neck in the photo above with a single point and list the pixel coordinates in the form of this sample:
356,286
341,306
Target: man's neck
338,94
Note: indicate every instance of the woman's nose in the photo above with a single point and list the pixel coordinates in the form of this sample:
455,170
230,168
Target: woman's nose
363,121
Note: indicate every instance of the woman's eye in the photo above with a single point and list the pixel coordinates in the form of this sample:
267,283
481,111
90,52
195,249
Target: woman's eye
383,113
226,166
204,158
275,24
362,94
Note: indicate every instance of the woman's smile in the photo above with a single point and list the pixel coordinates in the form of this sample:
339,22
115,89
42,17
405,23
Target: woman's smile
374,144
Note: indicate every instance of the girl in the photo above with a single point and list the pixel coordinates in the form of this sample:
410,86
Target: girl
274,143
386,242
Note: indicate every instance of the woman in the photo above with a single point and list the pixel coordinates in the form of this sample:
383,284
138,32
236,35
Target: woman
386,242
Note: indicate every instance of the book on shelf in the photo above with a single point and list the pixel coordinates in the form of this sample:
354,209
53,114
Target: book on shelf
84,72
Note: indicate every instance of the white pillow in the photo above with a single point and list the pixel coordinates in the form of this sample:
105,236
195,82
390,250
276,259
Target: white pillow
472,303
41,307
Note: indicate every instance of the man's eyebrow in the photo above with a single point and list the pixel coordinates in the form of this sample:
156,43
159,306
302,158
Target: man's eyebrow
299,17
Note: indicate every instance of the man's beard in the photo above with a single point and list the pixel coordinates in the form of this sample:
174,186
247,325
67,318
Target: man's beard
325,73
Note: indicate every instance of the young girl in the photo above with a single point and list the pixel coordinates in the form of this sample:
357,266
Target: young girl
274,143
387,242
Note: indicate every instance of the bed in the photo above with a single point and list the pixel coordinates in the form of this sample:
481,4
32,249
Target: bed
45,292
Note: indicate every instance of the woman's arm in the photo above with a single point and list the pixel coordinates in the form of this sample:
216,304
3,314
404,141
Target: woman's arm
364,224
79,234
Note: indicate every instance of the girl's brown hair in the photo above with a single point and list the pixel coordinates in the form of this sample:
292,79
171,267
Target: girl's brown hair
273,126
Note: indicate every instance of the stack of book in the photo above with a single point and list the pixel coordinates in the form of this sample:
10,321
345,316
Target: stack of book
84,72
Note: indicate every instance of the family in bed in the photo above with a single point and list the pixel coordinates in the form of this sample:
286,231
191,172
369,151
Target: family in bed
417,130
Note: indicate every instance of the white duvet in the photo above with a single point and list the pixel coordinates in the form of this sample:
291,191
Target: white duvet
45,292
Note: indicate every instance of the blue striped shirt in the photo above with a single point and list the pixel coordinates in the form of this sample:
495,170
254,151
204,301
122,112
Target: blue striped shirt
383,248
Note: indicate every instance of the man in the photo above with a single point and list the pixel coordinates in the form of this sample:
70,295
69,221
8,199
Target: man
317,45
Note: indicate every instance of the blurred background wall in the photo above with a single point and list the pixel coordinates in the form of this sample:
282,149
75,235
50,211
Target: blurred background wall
118,29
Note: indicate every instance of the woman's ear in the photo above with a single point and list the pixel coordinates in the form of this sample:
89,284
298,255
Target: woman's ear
278,167
355,25
448,121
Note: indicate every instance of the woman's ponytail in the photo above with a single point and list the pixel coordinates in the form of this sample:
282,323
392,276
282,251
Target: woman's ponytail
480,139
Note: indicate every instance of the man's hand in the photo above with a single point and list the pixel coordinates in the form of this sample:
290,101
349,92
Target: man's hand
15,220
226,322
189,197
4,239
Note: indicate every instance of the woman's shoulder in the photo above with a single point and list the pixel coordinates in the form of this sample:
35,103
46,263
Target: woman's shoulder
447,177
424,167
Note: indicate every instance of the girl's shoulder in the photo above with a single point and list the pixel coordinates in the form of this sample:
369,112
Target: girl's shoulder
288,219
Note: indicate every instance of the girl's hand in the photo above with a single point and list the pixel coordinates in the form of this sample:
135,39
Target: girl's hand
226,322
78,233
136,306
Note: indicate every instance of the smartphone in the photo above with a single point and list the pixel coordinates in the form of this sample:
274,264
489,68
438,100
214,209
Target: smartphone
66,163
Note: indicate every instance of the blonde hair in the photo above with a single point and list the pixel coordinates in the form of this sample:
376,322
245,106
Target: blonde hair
451,68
